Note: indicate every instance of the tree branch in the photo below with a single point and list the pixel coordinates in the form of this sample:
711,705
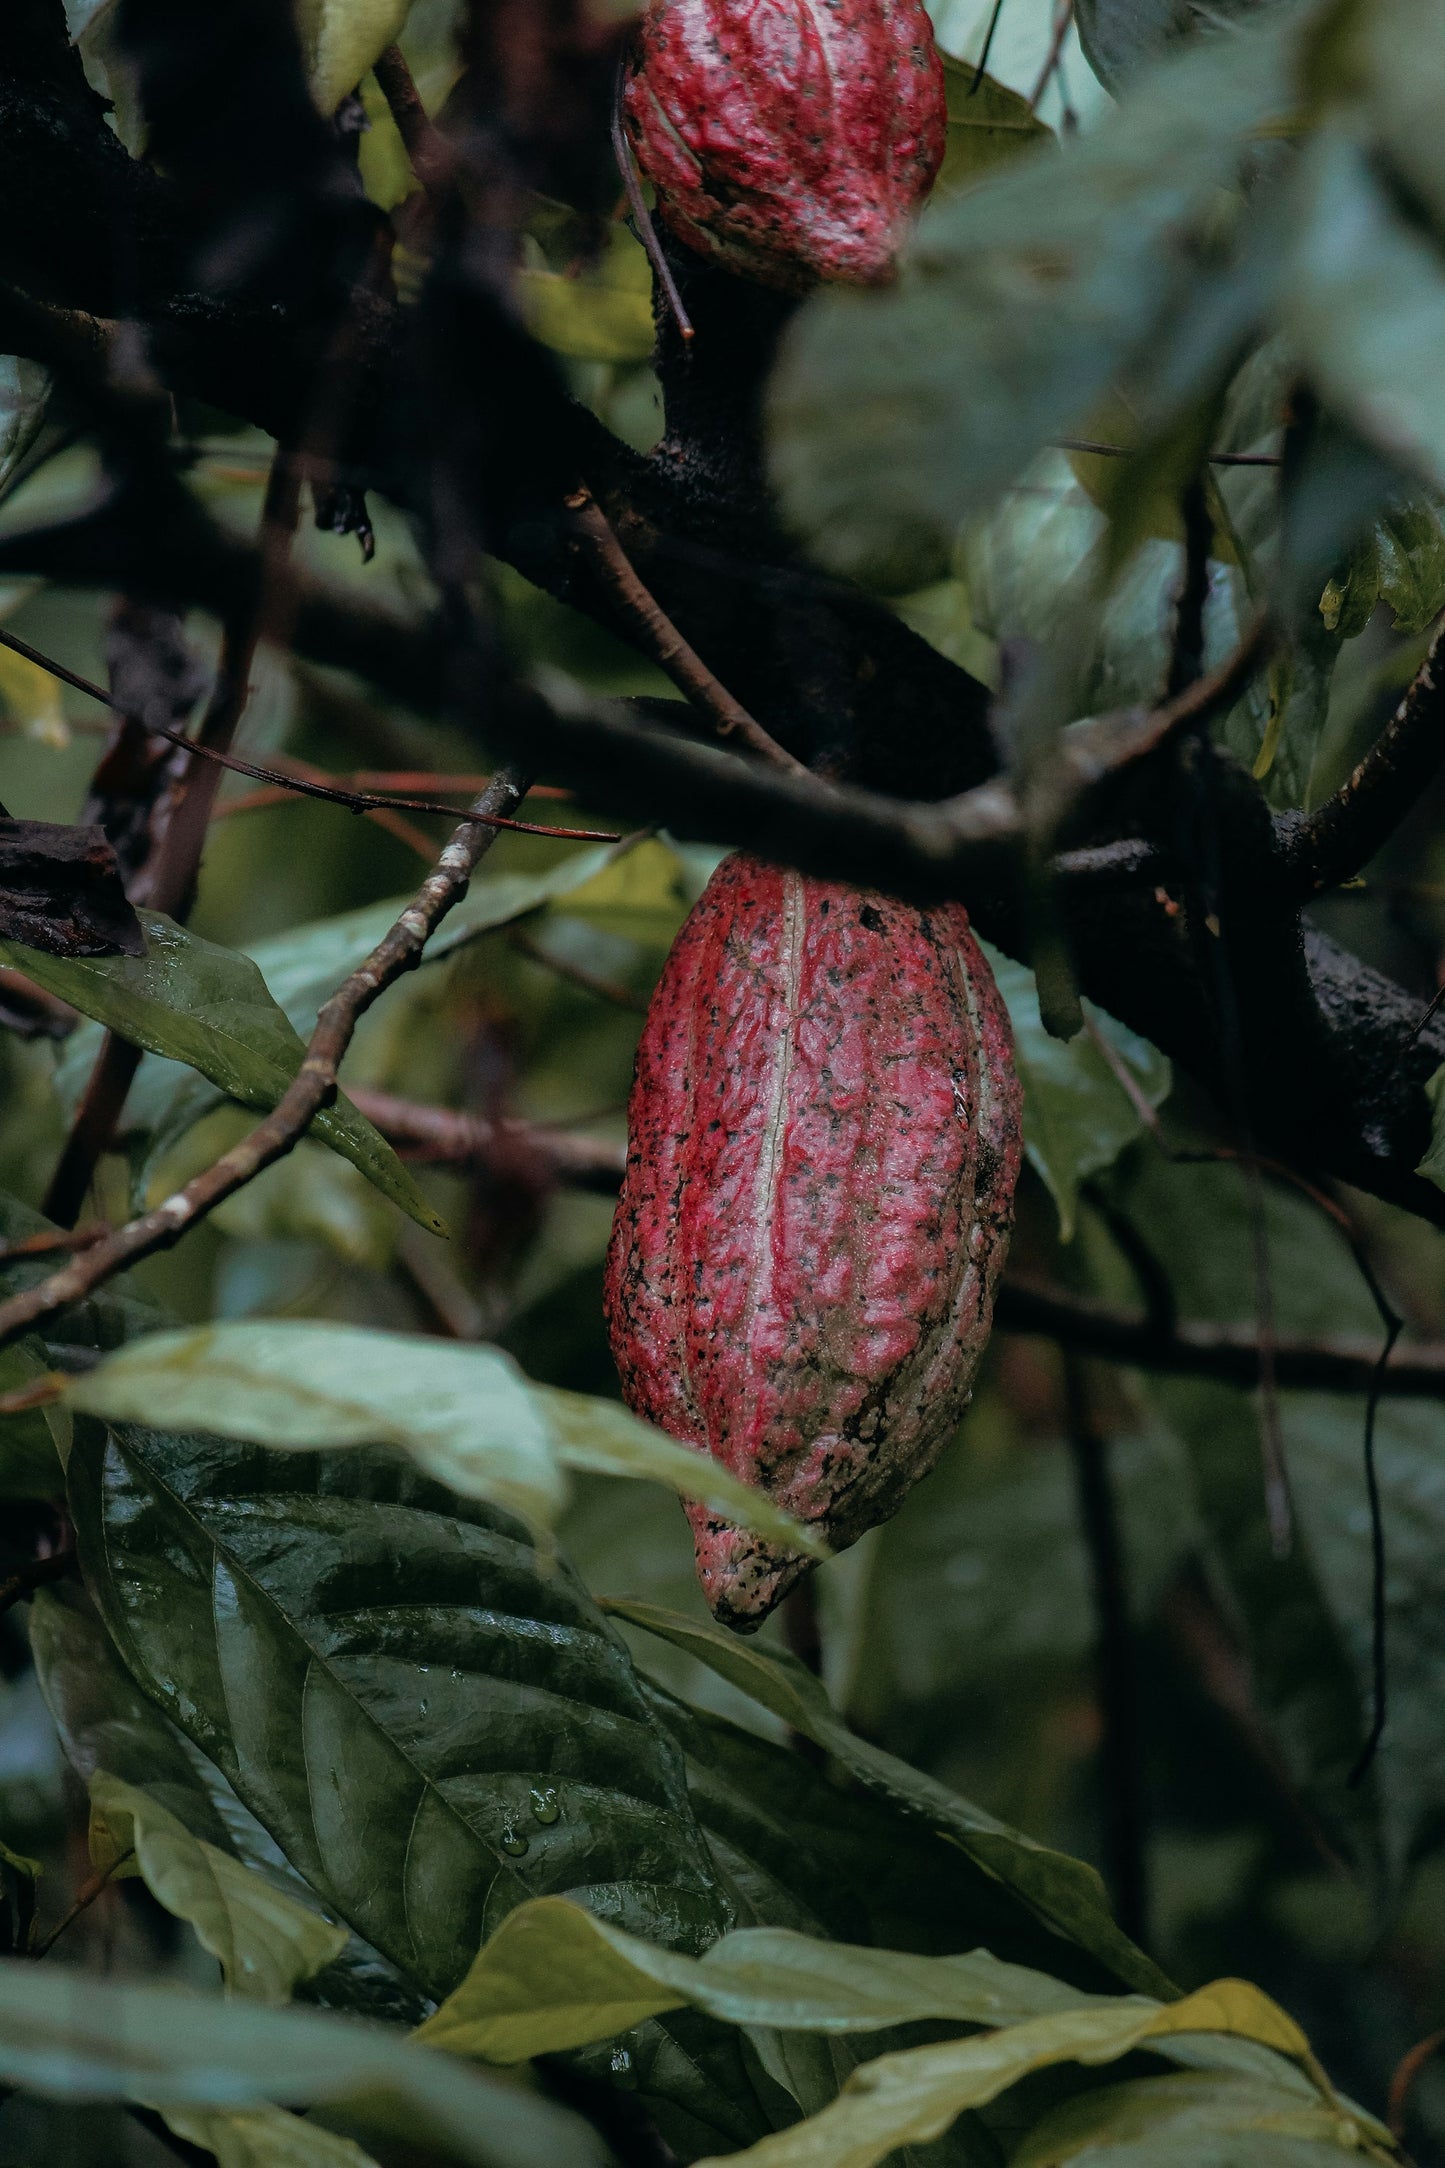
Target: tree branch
443,1137
1324,848
313,1087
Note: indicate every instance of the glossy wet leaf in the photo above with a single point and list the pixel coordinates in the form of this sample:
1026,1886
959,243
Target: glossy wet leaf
265,1941
912,2097
1078,1117
431,1720
1064,1892
553,1977
73,2037
466,1414
210,1007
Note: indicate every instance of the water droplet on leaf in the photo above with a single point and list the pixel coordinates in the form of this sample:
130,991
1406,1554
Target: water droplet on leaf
544,1805
514,1844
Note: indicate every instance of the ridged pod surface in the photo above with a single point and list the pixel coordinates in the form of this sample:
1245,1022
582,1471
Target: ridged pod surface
824,1140
792,140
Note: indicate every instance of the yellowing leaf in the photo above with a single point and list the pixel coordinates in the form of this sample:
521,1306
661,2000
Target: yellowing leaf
341,40
987,124
266,2138
554,1976
265,1941
30,697
602,312
913,2097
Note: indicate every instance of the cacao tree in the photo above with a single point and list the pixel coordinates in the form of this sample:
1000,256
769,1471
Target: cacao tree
720,1433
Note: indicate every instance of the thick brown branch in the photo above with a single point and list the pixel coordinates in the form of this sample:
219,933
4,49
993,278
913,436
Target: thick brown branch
1332,844
313,1088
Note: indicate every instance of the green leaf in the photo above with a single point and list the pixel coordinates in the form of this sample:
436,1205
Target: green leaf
18,1877
554,1977
24,394
72,2037
601,1437
602,312
1063,1892
431,1721
466,1414
265,1941
33,1444
896,414
988,124
1363,303
1119,36
341,41
210,1008
266,2138
1195,2108
912,2097
1078,1117
1410,557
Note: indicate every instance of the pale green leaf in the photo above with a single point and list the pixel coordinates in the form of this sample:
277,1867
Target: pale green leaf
266,2138
1193,2106
554,1976
466,1414
210,1007
24,391
601,1437
1064,1892
1078,1117
600,312
342,39
913,2097
73,2037
264,1940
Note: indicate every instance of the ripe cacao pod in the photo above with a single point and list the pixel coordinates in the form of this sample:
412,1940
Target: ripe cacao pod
824,1139
791,140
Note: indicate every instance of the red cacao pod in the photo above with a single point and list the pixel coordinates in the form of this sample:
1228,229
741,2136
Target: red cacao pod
790,139
824,1142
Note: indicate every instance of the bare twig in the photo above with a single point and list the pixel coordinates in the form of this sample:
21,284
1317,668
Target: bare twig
1063,17
430,159
35,1575
313,1087
85,1896
1406,2072
663,642
39,1393
445,1137
354,801
1230,1353
621,997
641,216
988,37
1123,451
1330,845
50,1240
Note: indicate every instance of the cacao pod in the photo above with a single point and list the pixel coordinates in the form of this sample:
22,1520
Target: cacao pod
791,140
824,1139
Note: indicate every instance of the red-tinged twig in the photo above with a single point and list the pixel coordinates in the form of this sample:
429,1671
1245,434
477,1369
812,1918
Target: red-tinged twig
85,1897
39,1393
353,801
313,1087
441,1136
424,146
1407,2070
660,638
642,217
52,1240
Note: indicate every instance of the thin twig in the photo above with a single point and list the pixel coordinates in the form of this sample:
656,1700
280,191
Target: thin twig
1063,17
663,642
353,801
441,1136
85,1896
1229,1353
51,1239
621,997
313,1087
39,1393
642,217
1123,451
430,159
1330,845
988,37
1407,2071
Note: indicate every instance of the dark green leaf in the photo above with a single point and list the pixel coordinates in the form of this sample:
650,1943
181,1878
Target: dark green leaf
209,1007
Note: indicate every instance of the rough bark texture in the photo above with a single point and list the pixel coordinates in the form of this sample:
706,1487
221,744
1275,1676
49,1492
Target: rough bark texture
792,140
824,1142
